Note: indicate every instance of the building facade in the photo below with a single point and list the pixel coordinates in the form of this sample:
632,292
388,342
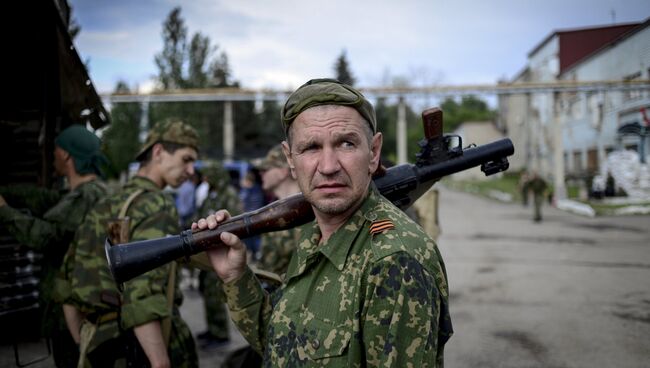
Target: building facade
562,134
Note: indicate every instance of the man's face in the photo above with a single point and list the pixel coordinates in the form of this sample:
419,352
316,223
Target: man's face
60,157
177,167
273,176
332,159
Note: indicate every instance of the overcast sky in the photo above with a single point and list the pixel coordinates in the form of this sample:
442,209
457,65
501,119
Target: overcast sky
281,44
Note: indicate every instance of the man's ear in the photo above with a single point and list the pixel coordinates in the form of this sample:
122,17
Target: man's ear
156,152
375,151
287,154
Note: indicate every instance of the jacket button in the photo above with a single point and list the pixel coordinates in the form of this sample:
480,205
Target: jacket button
315,344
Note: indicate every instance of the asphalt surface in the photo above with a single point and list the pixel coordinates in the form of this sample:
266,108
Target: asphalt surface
567,292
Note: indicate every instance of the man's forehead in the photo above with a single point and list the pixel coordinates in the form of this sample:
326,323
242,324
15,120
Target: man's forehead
187,151
335,115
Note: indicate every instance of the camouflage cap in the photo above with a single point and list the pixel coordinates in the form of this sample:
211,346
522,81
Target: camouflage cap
172,131
274,158
217,176
326,91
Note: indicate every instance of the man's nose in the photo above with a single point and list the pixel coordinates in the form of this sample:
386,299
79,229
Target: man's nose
190,169
329,162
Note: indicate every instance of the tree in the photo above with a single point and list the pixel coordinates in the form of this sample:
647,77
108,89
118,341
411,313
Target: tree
199,53
470,108
170,61
342,69
121,141
220,73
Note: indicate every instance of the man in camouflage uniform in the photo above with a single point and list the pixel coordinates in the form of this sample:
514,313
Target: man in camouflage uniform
77,156
538,186
221,195
367,286
277,247
166,158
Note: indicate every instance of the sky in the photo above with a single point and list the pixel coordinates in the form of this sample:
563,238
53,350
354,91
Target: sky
280,44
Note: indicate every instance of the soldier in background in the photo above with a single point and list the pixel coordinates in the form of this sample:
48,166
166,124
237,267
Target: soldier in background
277,247
539,187
220,195
77,157
142,325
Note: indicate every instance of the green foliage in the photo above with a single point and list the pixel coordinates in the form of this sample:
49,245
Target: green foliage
198,54
470,108
170,61
193,66
120,140
342,70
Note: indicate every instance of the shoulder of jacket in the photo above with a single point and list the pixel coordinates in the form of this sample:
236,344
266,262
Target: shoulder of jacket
391,230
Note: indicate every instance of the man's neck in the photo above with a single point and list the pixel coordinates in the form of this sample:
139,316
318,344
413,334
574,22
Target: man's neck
76,180
151,174
328,224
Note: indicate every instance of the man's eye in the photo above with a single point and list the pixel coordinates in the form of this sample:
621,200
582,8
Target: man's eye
308,148
347,144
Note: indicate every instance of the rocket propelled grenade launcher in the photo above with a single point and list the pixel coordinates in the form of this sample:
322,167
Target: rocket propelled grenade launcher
440,155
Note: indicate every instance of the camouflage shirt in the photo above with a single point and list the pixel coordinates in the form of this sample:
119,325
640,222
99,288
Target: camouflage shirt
277,248
52,232
86,279
375,293
224,198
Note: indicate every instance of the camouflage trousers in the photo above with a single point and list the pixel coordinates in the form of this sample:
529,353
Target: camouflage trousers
214,301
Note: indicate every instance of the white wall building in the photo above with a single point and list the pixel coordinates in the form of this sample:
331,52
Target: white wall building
559,133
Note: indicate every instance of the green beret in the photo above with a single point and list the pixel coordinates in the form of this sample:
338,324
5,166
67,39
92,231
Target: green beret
84,147
326,91
172,131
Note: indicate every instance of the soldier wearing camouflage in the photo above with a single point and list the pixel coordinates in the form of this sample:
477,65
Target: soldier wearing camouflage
277,247
167,158
53,221
367,286
221,195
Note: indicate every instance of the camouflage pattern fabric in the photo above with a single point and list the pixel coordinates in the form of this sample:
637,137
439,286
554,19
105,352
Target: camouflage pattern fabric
170,131
538,186
51,234
277,248
357,300
221,196
86,279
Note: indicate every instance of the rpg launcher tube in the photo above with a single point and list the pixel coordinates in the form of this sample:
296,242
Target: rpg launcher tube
401,184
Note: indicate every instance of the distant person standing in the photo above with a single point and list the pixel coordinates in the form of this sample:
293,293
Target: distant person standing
77,156
220,195
252,198
539,187
202,189
186,201
277,247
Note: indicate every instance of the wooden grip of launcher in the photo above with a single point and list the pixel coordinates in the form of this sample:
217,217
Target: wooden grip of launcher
432,120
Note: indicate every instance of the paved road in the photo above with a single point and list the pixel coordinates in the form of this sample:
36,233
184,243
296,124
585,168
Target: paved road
567,292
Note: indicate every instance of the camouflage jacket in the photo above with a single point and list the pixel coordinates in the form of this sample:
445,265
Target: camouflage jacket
226,198
375,293
85,279
52,231
277,248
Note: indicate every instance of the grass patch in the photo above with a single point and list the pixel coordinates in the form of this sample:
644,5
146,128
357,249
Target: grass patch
506,183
